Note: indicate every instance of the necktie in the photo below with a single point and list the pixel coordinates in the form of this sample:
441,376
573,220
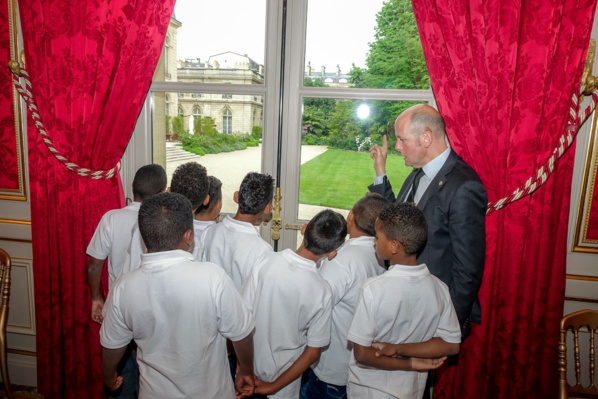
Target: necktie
416,179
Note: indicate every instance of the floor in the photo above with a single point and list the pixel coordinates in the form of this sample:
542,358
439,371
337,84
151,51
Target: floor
21,392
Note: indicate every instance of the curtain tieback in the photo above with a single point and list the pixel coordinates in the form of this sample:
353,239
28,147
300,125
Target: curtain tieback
25,92
576,119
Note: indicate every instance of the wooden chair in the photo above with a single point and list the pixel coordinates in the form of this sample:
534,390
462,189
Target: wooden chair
5,292
585,321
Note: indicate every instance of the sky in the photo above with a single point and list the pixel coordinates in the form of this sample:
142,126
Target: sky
338,31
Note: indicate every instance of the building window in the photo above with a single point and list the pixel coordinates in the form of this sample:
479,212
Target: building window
196,111
196,95
227,121
167,105
181,95
227,96
180,111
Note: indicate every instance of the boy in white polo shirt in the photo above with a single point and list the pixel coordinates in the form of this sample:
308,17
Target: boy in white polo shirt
235,244
208,214
113,234
179,312
355,262
292,304
406,304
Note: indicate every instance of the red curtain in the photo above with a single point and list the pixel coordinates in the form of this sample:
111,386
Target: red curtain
91,65
503,73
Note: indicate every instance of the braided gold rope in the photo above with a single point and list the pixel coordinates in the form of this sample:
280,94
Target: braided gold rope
25,93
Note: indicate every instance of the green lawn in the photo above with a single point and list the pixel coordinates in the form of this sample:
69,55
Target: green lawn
337,178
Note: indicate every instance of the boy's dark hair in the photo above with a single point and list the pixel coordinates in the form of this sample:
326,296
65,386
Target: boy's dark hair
163,220
215,194
191,180
325,232
365,211
257,190
405,223
149,180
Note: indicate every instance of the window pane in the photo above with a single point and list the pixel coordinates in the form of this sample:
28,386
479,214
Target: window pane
336,168
214,42
374,44
197,133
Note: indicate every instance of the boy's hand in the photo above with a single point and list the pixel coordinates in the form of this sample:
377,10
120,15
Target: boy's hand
264,388
384,349
96,310
379,154
114,383
244,384
418,364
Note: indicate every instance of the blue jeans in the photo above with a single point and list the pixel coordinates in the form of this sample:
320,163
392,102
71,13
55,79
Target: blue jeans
127,368
318,389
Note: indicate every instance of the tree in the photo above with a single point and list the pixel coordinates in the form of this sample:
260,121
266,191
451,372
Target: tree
316,111
395,59
208,126
177,125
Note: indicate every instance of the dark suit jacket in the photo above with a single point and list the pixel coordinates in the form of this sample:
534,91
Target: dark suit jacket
455,209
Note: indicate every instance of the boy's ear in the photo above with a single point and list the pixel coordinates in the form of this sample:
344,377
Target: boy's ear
207,200
168,189
330,255
395,247
188,240
268,208
350,217
236,197
303,229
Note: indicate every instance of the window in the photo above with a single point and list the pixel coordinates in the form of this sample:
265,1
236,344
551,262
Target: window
167,104
181,112
227,121
196,95
227,96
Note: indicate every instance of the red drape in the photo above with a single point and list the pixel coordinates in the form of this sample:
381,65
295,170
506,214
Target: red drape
503,73
91,65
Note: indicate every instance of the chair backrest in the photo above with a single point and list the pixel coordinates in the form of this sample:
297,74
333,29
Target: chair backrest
4,287
585,321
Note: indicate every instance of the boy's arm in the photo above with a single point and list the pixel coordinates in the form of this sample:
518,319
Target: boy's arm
244,379
366,355
309,355
94,279
110,359
435,347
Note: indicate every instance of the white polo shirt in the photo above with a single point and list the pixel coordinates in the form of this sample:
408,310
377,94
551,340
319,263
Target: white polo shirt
198,228
291,305
235,246
355,262
179,312
406,304
112,236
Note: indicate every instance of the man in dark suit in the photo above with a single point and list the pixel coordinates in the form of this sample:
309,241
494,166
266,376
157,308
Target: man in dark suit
453,199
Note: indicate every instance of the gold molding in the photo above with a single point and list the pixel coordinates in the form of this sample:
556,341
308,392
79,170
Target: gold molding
16,221
588,300
23,240
581,225
581,277
19,194
30,329
21,352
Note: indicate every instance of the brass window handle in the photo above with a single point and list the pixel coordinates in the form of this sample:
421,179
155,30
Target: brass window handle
293,226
